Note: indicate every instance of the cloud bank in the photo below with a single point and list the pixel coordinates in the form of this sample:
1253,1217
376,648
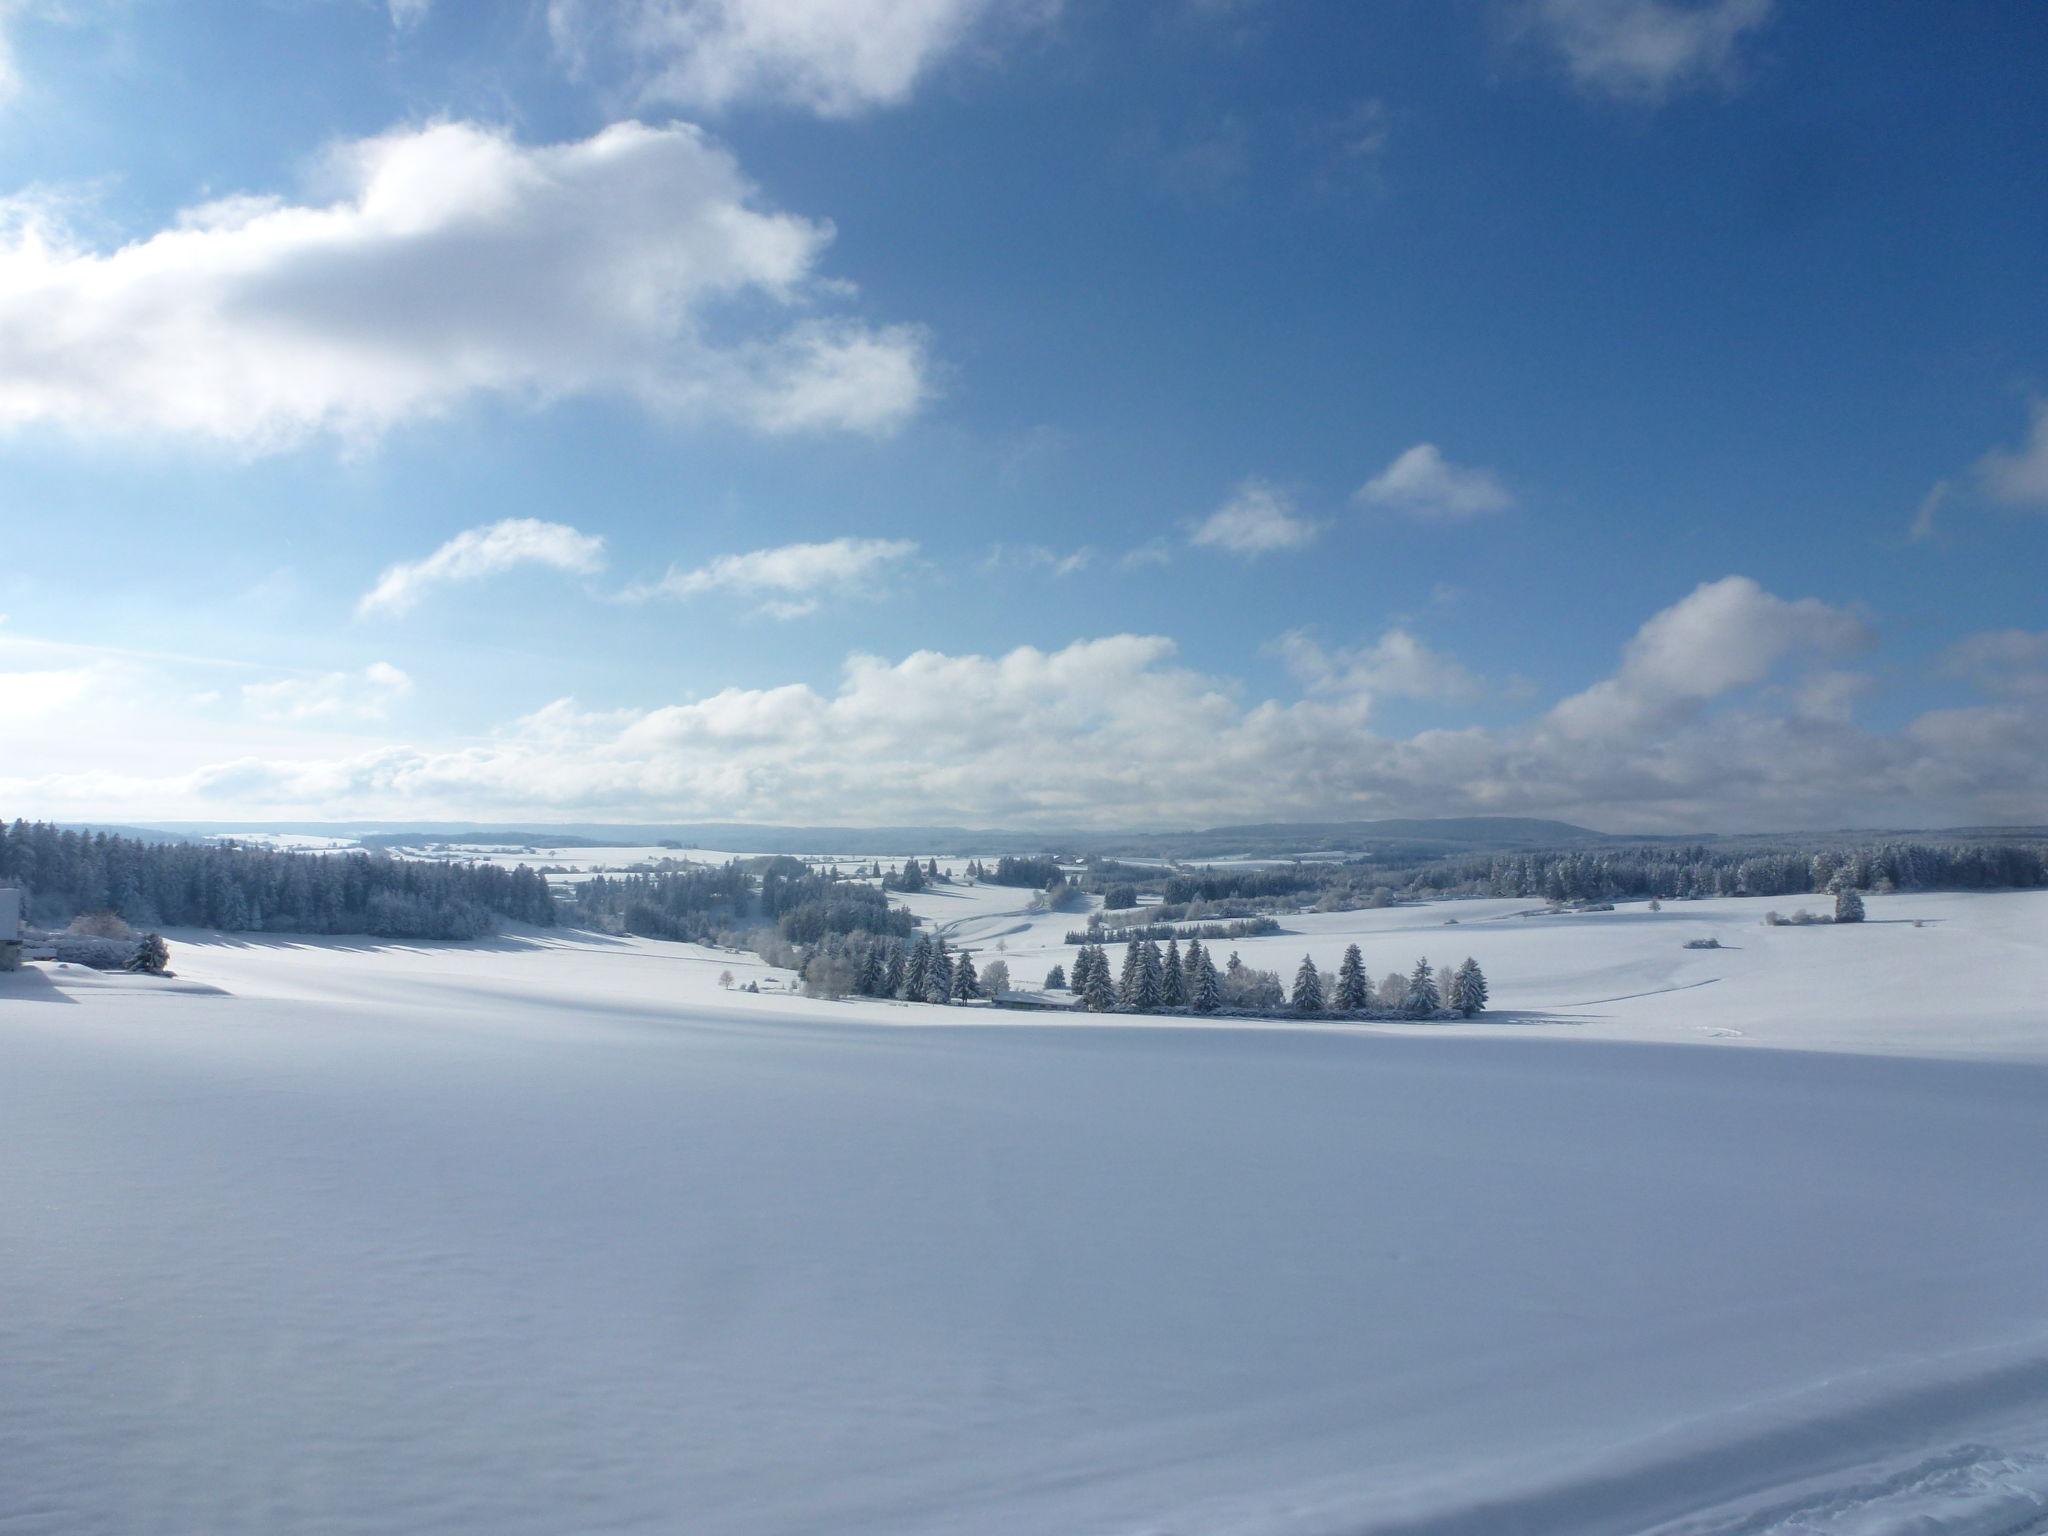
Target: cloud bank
1727,709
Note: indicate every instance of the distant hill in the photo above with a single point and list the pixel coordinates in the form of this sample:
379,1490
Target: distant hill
1405,838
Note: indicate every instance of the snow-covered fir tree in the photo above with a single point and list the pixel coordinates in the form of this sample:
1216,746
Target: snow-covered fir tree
1097,995
1423,998
1173,986
966,980
892,972
868,980
1191,968
1056,979
1206,996
1308,988
1848,904
917,970
1468,988
938,976
1354,987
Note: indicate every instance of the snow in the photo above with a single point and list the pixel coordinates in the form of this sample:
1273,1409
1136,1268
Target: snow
552,1233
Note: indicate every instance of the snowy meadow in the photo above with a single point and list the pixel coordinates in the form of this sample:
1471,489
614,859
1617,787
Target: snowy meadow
555,1231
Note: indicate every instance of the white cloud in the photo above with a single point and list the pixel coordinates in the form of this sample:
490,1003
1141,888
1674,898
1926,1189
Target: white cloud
1397,665
1923,525
1257,520
450,262
489,550
1723,712
1724,635
407,14
364,695
1644,50
1423,484
789,580
2010,663
2020,478
1038,557
832,57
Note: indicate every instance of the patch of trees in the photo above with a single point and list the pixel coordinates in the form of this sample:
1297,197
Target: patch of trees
723,904
1238,928
1171,980
252,890
1038,873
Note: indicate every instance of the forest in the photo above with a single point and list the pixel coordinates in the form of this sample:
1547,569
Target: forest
253,890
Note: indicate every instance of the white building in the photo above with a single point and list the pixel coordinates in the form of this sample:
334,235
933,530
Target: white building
10,929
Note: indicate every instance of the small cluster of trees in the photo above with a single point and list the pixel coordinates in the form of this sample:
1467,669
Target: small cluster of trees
913,876
1038,873
1153,980
1848,909
924,970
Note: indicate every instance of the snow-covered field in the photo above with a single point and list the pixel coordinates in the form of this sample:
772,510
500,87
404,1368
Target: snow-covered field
553,1234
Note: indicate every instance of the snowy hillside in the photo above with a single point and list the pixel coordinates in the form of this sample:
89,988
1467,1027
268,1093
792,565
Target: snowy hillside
554,1233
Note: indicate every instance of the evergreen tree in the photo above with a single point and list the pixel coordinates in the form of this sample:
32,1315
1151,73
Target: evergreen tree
1235,964
1096,993
1848,904
1173,990
892,973
1354,987
1150,969
919,969
1468,988
868,980
1127,982
1308,988
966,983
1191,968
1207,995
1056,979
1423,999
938,976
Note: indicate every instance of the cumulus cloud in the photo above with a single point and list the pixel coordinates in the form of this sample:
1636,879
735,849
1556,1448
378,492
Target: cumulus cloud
2020,478
449,262
476,553
1257,520
791,579
364,695
1724,635
1397,665
1423,484
1723,712
836,58
1644,50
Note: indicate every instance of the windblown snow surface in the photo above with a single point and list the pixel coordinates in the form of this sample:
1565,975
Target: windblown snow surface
554,1235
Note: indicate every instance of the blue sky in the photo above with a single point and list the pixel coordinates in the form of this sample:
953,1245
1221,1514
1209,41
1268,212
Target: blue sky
1170,412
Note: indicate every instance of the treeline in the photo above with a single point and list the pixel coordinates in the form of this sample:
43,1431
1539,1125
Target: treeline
252,890
728,903
1170,981
1240,928
1682,873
